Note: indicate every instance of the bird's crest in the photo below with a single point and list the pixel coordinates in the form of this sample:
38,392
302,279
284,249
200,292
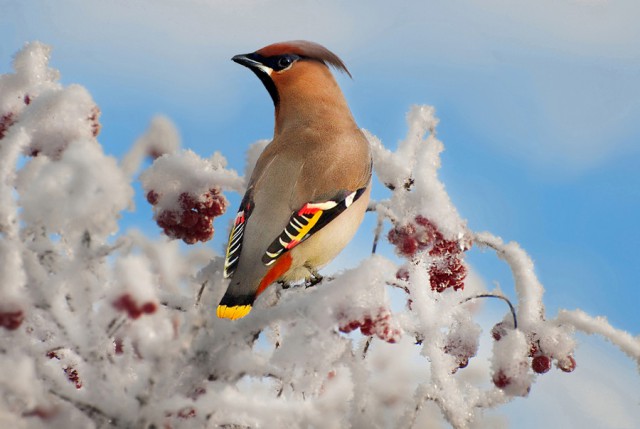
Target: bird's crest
305,49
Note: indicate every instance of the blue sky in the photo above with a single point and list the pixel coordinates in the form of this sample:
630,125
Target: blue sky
538,105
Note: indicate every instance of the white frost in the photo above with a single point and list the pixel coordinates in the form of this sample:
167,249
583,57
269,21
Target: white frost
122,332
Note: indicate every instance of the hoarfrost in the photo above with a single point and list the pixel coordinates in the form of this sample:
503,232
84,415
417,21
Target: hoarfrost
122,333
160,138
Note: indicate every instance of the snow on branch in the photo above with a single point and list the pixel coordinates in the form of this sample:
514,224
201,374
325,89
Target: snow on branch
109,328
599,325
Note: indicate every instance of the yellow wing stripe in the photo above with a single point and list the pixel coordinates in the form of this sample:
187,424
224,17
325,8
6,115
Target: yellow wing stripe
305,229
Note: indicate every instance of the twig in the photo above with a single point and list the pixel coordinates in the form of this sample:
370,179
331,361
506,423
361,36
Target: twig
504,298
366,347
376,236
204,283
173,306
90,411
115,325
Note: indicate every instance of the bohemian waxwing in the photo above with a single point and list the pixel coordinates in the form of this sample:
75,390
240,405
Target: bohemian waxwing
310,187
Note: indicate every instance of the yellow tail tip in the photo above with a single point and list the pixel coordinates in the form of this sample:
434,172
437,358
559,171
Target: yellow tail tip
233,312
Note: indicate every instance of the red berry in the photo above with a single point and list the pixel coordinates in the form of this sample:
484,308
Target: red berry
186,201
152,197
541,364
501,380
409,246
218,206
149,307
11,320
127,304
567,364
398,234
118,346
463,361
423,221
73,376
351,326
367,327
498,331
189,219
167,219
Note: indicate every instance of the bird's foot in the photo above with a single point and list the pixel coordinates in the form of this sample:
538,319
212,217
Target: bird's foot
283,284
313,279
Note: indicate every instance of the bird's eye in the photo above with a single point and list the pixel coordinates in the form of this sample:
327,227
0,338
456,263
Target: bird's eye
284,62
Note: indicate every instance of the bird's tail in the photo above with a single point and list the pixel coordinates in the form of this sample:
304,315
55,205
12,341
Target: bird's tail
235,306
233,311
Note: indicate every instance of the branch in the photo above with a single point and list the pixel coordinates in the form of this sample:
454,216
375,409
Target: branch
94,413
599,325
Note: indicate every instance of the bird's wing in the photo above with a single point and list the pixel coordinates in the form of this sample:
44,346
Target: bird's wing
234,246
308,220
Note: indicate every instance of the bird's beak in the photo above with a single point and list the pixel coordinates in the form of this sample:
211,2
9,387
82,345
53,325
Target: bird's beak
252,61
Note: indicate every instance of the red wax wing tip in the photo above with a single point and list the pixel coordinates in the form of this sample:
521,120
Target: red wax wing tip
281,266
308,210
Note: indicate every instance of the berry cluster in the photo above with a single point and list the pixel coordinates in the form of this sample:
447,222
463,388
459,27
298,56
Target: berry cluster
541,362
194,221
127,304
446,270
379,324
11,320
70,371
6,121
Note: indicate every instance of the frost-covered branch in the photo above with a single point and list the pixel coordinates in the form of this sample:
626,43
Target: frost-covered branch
599,325
109,328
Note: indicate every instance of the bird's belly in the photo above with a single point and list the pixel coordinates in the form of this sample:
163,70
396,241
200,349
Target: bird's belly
326,244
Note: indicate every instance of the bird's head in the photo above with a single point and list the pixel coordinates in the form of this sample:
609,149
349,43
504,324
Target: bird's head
279,64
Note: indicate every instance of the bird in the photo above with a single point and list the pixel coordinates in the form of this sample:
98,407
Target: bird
310,187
